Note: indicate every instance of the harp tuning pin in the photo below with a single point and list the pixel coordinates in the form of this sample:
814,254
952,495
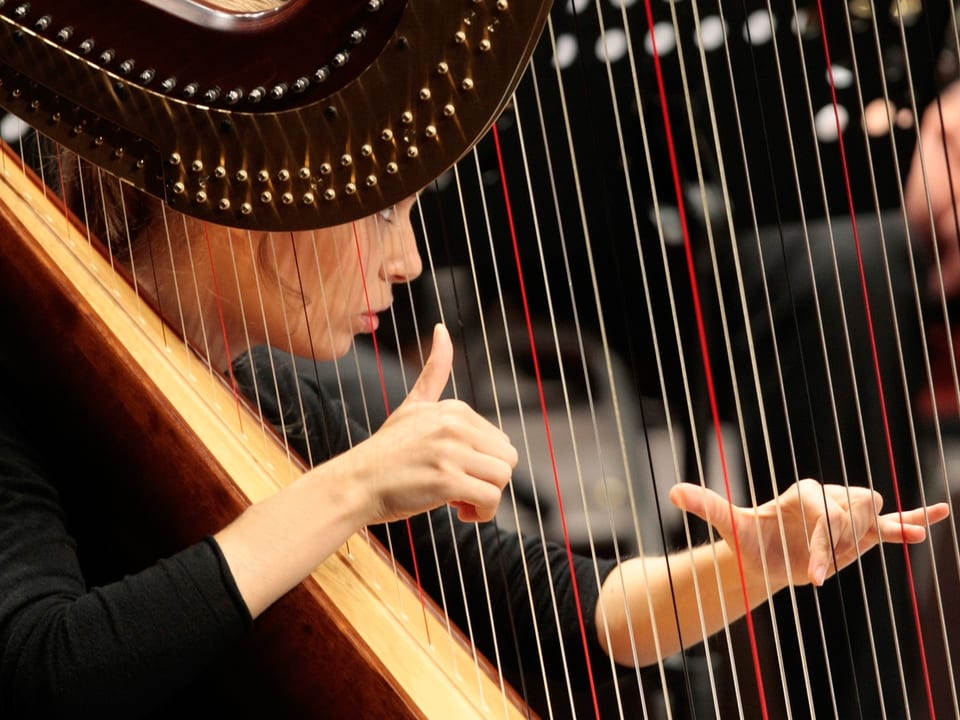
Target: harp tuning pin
169,84
301,84
442,68
197,166
322,74
357,36
86,47
325,169
346,160
65,34
350,189
279,91
22,11
224,204
287,198
366,150
242,176
304,173
308,198
374,5
460,37
484,45
392,168
220,172
127,66
266,196
263,176
387,135
502,5
234,96
147,76
467,84
246,208
371,181
256,95
412,151
43,23
449,110
178,188
212,95
200,197
329,194
190,89
340,59
407,117
283,175
174,159
106,57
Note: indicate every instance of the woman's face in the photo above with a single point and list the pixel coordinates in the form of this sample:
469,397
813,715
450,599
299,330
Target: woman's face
347,274
311,292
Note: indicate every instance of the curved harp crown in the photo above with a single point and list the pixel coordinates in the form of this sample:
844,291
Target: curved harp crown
314,113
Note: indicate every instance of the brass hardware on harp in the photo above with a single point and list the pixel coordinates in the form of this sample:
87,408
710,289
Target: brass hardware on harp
114,97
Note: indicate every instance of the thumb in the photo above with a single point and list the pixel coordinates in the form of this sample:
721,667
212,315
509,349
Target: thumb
705,504
433,378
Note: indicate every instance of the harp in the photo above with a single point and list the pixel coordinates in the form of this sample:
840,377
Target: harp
695,116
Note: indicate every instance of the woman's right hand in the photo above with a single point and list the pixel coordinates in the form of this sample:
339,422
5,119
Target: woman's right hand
432,452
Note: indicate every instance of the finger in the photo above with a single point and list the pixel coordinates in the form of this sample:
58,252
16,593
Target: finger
478,501
831,526
705,504
433,378
910,525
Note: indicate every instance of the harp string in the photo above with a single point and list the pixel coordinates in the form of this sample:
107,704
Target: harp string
699,155
769,18
879,381
701,331
890,120
600,314
583,362
514,514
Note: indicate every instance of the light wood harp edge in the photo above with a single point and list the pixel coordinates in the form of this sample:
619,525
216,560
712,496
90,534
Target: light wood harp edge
366,621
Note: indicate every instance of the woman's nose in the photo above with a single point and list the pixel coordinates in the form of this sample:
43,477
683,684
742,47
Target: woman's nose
402,261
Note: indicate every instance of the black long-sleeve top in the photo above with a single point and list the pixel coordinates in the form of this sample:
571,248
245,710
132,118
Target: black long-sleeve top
78,634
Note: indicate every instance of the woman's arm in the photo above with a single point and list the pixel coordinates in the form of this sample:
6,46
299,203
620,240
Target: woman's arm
825,527
429,453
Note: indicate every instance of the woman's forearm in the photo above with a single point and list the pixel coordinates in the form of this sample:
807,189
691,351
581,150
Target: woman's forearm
659,605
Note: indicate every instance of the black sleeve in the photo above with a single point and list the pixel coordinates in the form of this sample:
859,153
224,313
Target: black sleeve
541,610
119,649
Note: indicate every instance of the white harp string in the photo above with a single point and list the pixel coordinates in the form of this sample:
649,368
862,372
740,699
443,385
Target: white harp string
534,121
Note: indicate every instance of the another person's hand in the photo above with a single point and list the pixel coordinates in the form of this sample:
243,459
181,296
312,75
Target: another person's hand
824,528
431,451
937,174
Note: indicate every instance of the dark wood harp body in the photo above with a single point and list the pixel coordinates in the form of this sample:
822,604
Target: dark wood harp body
311,141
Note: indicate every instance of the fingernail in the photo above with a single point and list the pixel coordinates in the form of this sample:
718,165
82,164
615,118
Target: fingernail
820,574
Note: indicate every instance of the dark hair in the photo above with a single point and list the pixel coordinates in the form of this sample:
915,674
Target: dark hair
114,211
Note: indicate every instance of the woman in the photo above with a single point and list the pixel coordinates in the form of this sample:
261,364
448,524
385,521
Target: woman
129,645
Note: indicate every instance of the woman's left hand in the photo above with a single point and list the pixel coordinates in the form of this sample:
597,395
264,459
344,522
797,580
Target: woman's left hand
824,527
